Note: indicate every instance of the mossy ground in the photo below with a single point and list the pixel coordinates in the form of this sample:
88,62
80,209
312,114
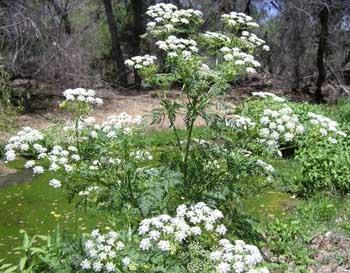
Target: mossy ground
39,209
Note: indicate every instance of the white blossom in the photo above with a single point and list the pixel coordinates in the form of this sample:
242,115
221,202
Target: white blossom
82,95
55,183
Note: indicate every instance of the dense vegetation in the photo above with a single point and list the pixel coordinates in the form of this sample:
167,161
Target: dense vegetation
246,192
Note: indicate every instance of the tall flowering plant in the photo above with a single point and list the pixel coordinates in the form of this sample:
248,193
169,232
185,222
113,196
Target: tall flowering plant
100,164
203,63
78,102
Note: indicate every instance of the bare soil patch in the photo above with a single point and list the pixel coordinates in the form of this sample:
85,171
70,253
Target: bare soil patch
331,253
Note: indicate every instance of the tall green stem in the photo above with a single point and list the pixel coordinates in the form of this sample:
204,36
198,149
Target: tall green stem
77,134
187,152
177,138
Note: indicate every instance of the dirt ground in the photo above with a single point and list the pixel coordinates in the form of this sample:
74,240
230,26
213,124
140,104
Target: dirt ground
46,98
331,253
141,103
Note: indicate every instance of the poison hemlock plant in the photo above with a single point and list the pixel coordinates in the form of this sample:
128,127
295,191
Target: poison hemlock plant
107,166
203,64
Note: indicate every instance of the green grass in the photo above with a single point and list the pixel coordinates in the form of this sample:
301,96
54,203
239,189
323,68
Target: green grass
39,209
163,138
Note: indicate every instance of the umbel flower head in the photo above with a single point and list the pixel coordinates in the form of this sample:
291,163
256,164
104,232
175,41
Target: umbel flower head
104,253
167,234
82,95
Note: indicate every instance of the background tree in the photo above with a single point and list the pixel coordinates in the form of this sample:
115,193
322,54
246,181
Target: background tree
137,7
117,53
323,15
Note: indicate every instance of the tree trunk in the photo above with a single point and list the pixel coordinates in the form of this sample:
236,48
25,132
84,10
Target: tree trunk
117,55
138,30
322,46
296,75
248,7
62,12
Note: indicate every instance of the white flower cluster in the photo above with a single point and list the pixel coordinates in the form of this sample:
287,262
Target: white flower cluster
67,159
240,123
163,230
205,72
327,127
55,183
105,253
111,126
122,122
83,95
89,190
167,17
102,251
253,40
175,46
234,19
267,167
266,95
59,159
141,155
216,36
139,62
62,159
82,124
24,141
279,126
240,58
237,258
266,48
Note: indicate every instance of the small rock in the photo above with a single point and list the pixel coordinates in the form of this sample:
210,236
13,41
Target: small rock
5,170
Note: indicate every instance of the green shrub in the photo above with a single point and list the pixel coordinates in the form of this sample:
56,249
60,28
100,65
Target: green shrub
341,110
325,167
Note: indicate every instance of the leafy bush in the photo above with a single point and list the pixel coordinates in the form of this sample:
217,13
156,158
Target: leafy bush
325,167
267,124
283,234
341,110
